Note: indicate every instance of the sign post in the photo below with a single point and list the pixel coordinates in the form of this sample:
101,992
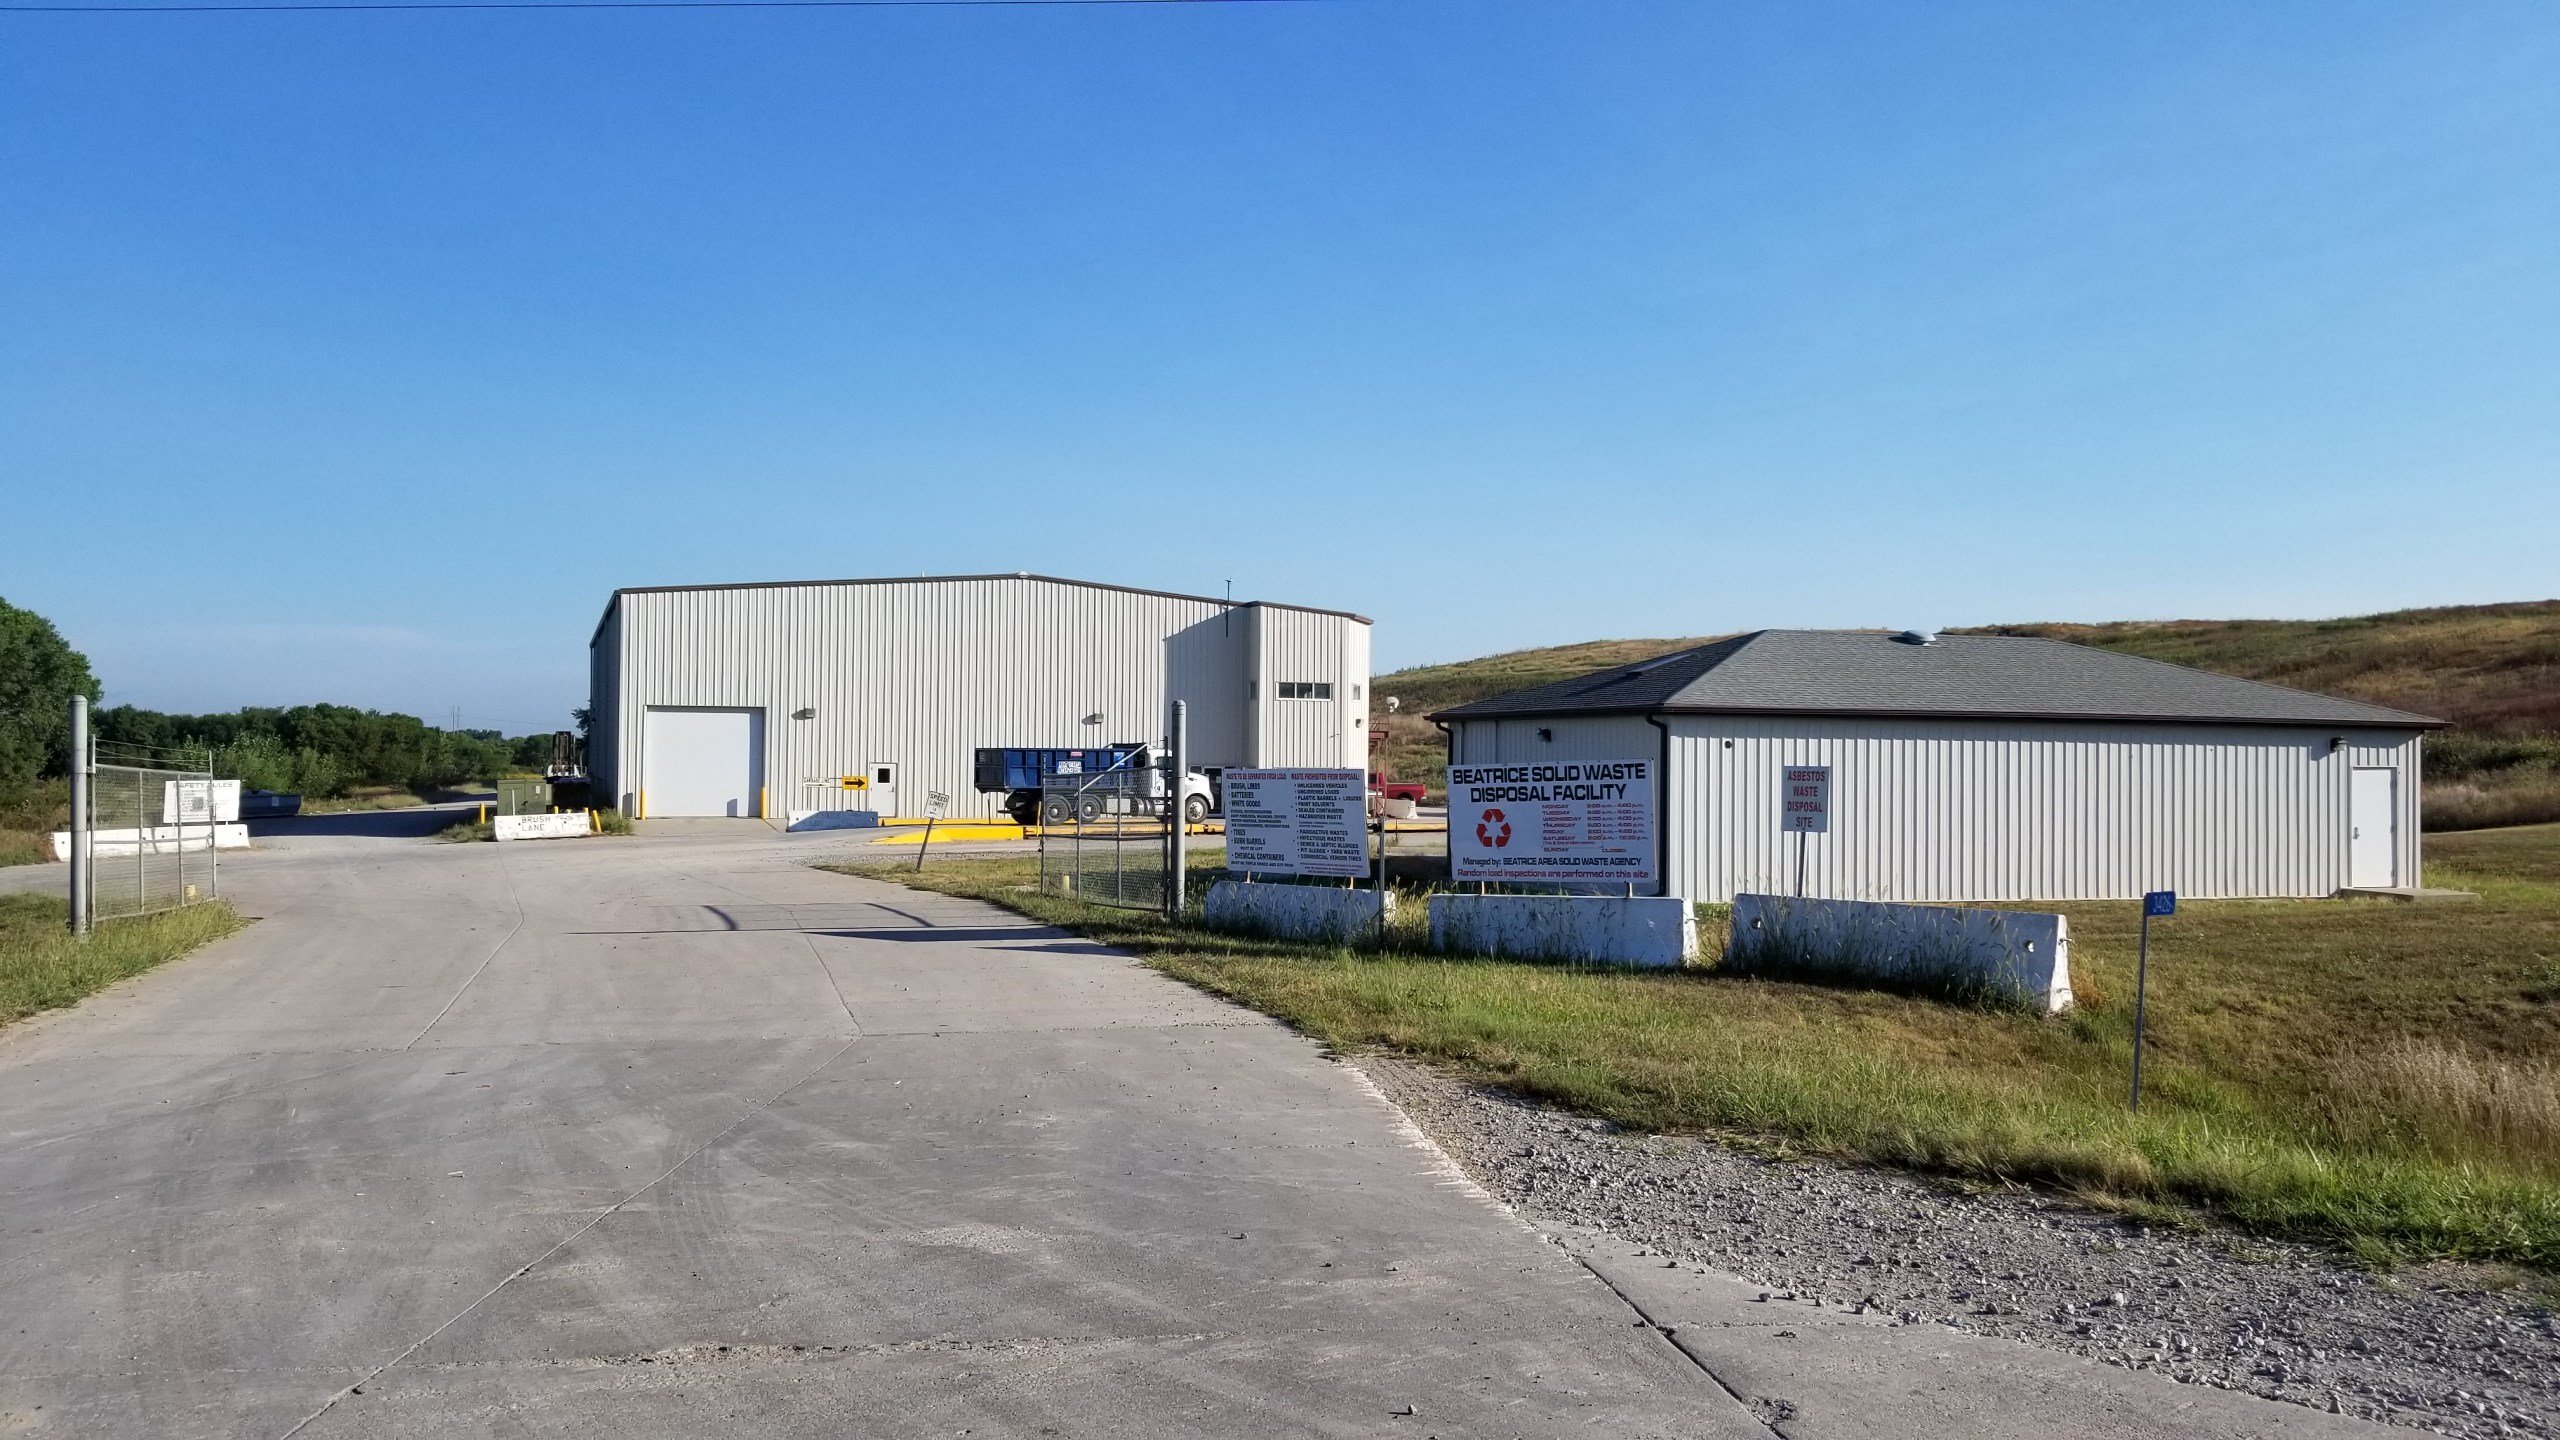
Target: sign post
81,856
2163,903
1570,822
935,802
1804,808
1178,852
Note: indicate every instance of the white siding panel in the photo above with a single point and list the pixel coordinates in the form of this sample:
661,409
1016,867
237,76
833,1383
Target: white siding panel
1577,737
921,674
1992,810
1296,645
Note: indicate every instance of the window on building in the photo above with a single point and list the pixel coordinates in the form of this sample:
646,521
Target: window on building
1306,689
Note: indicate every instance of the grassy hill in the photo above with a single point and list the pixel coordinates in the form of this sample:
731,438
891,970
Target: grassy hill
2494,670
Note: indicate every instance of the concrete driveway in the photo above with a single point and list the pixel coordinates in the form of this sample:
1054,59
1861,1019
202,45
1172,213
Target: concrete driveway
674,1136
678,1137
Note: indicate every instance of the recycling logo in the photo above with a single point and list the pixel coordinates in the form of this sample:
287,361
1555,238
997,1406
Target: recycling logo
1493,830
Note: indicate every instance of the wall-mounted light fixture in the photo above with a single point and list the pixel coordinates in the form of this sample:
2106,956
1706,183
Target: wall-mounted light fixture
2337,743
1546,734
1094,719
804,713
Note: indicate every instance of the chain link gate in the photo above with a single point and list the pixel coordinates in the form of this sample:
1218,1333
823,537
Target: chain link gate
151,839
1104,837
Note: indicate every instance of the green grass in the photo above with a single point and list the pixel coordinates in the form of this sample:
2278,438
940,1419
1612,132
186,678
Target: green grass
389,797
43,967
2369,1074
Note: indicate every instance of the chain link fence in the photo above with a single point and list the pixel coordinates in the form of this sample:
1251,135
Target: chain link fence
1104,837
151,839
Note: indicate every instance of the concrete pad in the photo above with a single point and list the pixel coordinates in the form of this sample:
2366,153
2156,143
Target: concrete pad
465,1140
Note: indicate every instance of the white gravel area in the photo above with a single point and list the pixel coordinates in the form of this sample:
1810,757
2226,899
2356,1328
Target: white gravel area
2453,1350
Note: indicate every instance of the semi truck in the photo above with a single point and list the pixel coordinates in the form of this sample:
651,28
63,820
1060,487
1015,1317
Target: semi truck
1018,773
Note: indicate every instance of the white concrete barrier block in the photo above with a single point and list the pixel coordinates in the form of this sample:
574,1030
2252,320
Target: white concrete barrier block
153,840
567,825
832,819
2015,954
1296,912
1653,930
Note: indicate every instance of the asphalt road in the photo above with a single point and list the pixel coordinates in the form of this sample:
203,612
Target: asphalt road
673,1136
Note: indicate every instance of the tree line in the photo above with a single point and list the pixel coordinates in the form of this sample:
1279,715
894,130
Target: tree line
318,750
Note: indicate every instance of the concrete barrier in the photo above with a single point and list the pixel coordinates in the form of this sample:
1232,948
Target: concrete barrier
1654,930
1295,912
2015,955
153,840
567,825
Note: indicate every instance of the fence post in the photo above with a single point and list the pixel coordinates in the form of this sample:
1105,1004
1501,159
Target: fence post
1177,855
79,856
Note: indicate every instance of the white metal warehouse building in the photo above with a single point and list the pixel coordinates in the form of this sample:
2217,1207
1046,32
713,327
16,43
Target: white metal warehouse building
1983,767
761,699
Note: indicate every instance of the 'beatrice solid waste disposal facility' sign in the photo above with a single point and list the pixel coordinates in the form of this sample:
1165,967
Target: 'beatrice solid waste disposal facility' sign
1297,822
1554,822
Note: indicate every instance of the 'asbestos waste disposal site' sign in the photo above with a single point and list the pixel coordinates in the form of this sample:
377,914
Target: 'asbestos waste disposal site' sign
1553,822
1804,800
1297,822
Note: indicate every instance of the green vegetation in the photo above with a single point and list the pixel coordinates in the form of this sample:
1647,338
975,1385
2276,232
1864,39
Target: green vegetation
30,812
2376,1075
327,751
2494,670
39,673
44,967
1414,748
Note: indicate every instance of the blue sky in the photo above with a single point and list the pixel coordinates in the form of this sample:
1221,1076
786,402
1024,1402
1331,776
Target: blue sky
359,356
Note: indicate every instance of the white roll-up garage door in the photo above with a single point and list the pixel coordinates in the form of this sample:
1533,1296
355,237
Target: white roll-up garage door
701,761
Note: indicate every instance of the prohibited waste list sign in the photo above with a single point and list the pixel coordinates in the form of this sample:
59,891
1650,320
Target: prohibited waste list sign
1297,822
1555,822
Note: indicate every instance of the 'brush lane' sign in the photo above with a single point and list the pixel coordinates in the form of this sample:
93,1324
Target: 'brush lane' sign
1566,822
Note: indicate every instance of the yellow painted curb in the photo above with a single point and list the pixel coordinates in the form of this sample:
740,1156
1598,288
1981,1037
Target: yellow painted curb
948,831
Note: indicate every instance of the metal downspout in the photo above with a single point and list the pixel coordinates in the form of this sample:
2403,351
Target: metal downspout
1662,808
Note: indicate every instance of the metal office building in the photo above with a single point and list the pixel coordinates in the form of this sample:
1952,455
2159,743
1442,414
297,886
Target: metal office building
1980,767
761,699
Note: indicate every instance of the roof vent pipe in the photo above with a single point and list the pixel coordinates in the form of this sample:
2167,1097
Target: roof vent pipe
1918,637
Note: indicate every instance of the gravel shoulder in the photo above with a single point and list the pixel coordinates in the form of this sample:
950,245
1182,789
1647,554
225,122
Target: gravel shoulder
2452,1350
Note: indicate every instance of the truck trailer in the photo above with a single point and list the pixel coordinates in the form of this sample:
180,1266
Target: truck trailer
1020,773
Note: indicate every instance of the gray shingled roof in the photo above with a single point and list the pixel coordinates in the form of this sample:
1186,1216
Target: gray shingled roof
1854,672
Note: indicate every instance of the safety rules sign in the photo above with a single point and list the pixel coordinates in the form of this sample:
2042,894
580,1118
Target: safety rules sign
1297,822
1563,821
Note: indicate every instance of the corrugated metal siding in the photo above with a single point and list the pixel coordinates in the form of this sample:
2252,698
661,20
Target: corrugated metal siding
1577,737
921,675
604,708
1970,810
1295,645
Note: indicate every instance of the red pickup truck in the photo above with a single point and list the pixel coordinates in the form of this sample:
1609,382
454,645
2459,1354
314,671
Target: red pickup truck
1386,789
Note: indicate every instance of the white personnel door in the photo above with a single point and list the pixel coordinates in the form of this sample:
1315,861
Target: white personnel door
702,761
884,788
2373,844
